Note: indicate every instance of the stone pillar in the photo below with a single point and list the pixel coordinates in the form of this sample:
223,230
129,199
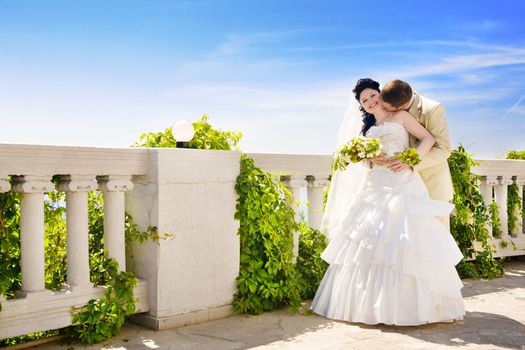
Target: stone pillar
500,194
114,188
519,181
76,188
191,276
487,183
32,230
315,192
295,186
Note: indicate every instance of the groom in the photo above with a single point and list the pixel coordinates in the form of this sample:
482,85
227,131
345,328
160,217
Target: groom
433,168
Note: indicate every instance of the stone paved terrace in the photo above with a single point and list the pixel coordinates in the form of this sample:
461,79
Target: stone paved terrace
495,319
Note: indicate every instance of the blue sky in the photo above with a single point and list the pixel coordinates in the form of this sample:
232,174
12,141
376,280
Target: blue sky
100,73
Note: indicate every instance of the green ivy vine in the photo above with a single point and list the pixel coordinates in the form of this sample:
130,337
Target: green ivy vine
103,318
267,277
468,221
100,318
514,201
310,266
497,232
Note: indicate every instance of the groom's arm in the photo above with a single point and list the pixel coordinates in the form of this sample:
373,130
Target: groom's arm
437,126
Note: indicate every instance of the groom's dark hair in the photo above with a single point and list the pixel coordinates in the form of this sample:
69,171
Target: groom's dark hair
396,93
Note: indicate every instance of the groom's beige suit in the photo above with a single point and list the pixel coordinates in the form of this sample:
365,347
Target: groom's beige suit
433,167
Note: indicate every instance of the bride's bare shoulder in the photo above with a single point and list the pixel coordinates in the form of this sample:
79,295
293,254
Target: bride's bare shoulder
400,117
403,117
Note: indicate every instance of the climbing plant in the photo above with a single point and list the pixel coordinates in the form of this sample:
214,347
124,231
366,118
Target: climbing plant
9,244
310,266
267,277
103,318
471,215
514,200
90,326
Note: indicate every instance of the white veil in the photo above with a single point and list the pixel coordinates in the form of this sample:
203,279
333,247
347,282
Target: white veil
344,184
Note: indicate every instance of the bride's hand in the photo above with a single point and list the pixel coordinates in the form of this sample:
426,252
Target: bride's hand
380,160
396,165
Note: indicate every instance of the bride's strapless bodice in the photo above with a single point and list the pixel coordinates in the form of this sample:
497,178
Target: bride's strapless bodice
393,136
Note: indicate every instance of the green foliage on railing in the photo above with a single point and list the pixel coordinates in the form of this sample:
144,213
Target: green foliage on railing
103,318
267,277
9,244
471,215
514,201
518,155
493,208
55,251
206,137
310,265
27,338
102,270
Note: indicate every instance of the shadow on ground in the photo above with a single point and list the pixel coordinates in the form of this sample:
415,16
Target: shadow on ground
477,328
495,319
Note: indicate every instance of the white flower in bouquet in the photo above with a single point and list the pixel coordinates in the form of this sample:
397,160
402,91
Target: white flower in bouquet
356,150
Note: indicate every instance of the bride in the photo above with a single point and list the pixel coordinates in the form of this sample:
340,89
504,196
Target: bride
391,260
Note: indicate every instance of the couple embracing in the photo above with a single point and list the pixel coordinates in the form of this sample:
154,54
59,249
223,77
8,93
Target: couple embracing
392,257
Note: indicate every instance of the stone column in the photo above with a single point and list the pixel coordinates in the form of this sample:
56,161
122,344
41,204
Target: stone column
315,192
500,194
295,186
519,181
114,188
32,230
76,188
487,183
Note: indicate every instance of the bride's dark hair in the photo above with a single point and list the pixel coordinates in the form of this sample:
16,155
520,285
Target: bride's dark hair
362,84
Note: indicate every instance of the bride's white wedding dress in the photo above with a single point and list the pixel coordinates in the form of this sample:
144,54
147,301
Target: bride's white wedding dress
391,260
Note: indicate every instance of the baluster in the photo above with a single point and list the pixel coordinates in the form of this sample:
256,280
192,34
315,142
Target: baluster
114,188
519,181
32,230
487,183
295,186
500,194
76,188
315,191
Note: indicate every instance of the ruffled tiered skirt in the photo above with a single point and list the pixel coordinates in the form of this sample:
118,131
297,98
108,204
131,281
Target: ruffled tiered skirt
391,260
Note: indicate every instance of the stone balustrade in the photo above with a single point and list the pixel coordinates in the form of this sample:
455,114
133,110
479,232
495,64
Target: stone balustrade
496,177
186,193
30,170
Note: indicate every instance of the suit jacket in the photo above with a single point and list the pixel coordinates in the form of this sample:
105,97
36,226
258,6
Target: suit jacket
433,167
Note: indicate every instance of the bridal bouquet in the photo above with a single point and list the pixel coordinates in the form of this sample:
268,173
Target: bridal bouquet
356,150
409,157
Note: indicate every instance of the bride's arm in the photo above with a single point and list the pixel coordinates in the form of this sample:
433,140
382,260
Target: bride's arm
426,140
